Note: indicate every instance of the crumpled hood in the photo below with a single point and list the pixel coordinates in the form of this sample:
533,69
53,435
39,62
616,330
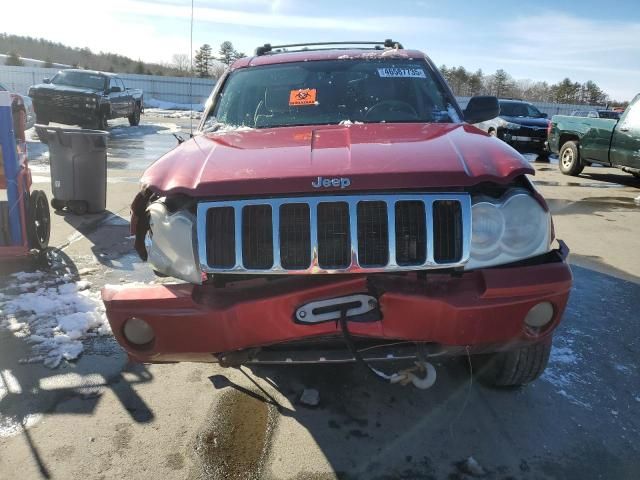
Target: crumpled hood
381,157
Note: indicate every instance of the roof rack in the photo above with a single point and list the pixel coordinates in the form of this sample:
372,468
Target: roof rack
268,48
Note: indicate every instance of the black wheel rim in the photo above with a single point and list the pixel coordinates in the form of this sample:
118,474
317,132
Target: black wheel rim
42,220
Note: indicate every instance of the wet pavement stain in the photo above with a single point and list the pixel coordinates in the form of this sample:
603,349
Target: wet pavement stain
591,205
548,183
234,442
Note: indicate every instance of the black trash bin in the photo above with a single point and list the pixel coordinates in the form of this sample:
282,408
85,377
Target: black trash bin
78,160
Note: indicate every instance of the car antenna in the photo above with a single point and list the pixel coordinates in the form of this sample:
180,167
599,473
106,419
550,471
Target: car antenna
191,75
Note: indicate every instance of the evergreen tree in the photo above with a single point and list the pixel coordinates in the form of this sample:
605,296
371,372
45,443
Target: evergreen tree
202,60
226,54
501,82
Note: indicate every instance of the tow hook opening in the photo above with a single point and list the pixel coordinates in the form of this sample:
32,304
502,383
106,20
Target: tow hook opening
360,307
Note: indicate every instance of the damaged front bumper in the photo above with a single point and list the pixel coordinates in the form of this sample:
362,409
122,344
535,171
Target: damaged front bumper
255,320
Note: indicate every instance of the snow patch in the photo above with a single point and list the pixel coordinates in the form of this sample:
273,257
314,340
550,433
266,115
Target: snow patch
54,316
150,103
563,355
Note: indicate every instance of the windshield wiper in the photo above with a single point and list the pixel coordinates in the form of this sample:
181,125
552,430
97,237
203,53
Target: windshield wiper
214,127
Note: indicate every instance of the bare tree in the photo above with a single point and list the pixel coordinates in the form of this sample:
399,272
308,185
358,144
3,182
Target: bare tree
181,62
217,69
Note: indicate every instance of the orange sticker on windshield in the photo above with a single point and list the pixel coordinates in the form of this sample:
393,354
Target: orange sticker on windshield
304,96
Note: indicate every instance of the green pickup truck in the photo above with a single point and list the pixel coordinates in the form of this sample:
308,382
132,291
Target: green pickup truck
581,141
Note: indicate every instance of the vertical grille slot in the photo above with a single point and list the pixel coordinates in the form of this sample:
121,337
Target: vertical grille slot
373,234
221,251
411,233
334,243
257,237
295,241
447,233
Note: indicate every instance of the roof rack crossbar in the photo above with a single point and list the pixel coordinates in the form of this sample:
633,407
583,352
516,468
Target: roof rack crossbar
267,47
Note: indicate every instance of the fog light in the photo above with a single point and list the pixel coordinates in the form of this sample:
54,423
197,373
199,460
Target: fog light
539,315
137,331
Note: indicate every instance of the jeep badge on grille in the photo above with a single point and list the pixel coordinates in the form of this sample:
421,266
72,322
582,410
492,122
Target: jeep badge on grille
321,182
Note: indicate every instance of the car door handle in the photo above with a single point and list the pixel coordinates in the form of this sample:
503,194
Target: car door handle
624,129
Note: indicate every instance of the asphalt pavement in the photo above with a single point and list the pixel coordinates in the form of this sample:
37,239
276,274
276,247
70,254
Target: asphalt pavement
99,417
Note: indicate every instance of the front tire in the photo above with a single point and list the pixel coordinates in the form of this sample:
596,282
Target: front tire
134,118
101,121
514,368
543,157
569,161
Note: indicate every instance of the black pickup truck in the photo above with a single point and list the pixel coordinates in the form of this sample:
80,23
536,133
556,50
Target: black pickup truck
85,97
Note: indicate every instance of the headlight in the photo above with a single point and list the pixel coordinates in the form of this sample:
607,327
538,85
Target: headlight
511,126
507,230
487,228
171,245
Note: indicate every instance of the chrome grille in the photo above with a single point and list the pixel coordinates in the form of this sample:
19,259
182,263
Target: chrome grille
335,234
64,100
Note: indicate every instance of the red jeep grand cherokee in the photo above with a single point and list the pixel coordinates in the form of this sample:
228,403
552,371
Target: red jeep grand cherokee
336,205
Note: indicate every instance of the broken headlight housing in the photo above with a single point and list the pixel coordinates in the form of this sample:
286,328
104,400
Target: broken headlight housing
505,230
171,242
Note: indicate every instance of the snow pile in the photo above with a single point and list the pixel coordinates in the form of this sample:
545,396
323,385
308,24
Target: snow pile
54,314
164,105
159,112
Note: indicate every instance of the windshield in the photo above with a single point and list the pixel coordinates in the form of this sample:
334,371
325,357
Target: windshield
80,79
331,92
514,109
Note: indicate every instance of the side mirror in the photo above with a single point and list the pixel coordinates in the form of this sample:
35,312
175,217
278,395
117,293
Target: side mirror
115,90
544,115
46,80
481,108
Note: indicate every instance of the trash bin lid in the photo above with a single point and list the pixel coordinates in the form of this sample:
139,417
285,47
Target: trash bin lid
71,130
44,132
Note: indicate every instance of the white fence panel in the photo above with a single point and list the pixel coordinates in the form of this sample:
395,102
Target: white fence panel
549,108
181,90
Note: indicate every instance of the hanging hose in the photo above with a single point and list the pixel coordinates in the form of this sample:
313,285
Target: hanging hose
403,377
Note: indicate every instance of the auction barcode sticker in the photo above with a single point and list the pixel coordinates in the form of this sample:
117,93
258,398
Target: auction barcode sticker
402,72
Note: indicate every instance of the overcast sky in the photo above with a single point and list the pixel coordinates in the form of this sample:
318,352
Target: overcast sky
541,40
